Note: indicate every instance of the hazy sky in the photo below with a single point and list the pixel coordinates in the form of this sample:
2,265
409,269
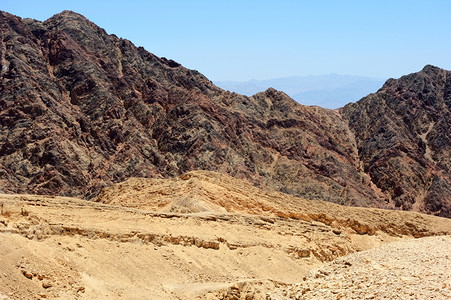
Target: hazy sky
242,40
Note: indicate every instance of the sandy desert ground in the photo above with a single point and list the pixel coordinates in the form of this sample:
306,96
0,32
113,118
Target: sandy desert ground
208,236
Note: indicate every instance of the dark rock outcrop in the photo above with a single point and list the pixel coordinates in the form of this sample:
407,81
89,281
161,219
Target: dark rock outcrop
81,109
403,135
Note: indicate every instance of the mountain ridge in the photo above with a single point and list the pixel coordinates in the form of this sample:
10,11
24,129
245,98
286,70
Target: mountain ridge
81,110
410,140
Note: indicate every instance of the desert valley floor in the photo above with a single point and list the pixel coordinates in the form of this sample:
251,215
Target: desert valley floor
209,236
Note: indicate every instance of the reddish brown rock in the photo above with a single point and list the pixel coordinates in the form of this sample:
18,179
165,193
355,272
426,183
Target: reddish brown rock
81,109
403,135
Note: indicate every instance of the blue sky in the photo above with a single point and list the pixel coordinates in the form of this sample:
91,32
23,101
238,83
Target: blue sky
242,40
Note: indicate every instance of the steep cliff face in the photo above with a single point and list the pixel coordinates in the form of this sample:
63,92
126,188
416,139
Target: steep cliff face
403,135
81,109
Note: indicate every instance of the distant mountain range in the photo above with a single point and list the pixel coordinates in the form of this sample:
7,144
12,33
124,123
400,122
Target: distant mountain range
328,91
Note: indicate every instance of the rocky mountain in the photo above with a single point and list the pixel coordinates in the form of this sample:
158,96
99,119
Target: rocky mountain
81,110
403,136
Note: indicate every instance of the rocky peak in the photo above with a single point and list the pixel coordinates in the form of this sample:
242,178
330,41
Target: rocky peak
67,20
430,69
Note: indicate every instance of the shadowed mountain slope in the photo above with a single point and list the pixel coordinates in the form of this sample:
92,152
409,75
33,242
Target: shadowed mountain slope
403,135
